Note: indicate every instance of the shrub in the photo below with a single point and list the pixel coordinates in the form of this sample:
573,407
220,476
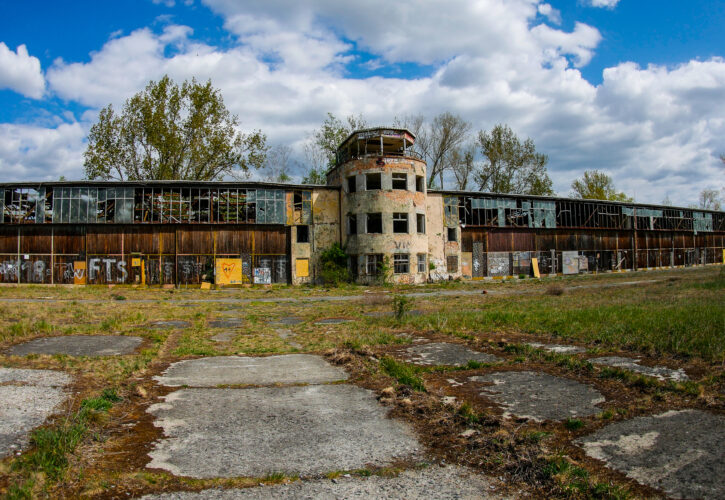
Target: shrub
334,265
401,306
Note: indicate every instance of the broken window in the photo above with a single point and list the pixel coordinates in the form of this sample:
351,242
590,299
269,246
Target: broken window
303,234
351,184
421,262
374,223
420,183
352,224
420,223
401,263
400,222
302,207
400,181
452,234
373,263
373,181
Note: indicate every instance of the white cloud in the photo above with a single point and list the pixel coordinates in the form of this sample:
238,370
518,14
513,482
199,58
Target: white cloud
608,4
21,72
550,13
652,128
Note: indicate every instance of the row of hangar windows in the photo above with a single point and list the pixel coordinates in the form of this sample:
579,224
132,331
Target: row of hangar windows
372,223
125,205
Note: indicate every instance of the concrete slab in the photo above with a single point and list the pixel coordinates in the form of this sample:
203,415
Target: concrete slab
679,452
168,324
296,430
540,396
559,348
241,370
225,323
224,337
27,398
79,345
333,321
632,364
444,483
287,320
447,354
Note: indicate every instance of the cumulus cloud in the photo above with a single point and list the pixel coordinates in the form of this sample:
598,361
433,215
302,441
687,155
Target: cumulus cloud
550,13
493,62
20,72
609,4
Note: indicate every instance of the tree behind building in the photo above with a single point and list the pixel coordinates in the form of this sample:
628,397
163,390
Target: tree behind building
172,132
597,185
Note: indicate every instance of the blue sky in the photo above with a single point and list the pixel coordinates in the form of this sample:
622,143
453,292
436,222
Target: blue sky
633,87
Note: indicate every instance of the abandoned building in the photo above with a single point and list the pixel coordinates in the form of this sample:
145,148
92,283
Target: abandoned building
375,204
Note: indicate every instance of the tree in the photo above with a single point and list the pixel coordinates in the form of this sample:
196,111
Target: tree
710,199
460,161
435,142
511,166
597,185
170,132
279,163
321,147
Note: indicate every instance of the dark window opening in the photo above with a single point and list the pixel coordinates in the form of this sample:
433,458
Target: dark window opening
373,263
400,181
400,223
373,181
303,234
351,184
401,263
420,183
420,223
452,236
452,263
352,224
375,223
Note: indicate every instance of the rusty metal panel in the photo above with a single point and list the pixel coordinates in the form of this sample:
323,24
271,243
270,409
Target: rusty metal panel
8,239
35,239
545,240
102,240
524,241
499,241
69,240
195,240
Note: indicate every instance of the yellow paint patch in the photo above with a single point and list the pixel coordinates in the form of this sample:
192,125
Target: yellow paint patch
206,285
535,267
228,272
302,268
79,273
135,262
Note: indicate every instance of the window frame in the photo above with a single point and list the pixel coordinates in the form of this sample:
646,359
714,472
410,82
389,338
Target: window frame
398,180
423,262
352,224
367,181
401,263
377,215
302,229
455,234
375,259
352,184
420,183
418,218
399,217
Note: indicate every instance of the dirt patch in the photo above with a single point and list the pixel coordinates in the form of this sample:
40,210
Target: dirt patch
679,452
442,353
79,345
540,396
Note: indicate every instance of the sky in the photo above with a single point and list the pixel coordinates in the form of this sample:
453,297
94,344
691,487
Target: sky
635,88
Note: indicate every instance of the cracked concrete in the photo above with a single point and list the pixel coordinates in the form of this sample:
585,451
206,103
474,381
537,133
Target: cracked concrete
679,452
559,348
441,353
240,370
27,399
540,396
632,364
79,345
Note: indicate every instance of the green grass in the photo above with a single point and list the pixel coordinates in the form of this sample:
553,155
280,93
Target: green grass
402,372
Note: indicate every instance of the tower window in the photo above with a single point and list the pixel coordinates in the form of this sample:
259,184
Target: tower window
303,234
351,184
420,183
372,181
452,236
401,263
420,223
374,223
400,222
400,181
352,224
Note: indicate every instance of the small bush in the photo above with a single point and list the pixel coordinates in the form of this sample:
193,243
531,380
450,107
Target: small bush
401,306
573,424
555,290
334,265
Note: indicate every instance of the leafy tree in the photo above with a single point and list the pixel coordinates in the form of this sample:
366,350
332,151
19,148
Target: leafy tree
597,185
169,132
279,164
710,199
460,161
511,166
333,261
437,141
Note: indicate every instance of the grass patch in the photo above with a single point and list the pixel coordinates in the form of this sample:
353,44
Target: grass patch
573,424
402,372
